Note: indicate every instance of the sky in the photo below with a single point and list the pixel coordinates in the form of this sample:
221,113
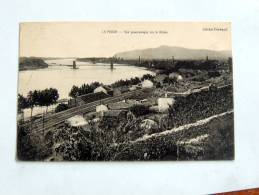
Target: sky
105,39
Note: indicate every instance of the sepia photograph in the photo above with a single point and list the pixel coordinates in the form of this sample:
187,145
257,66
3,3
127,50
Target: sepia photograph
125,91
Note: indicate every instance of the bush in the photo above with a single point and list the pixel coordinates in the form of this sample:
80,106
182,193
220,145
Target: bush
83,89
139,110
61,107
31,147
200,105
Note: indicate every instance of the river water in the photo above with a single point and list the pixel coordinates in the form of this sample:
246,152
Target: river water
64,77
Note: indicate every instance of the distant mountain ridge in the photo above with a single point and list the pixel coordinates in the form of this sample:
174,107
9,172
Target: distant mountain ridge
166,52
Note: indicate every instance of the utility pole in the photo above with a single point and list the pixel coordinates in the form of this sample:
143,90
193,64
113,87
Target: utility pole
43,122
77,94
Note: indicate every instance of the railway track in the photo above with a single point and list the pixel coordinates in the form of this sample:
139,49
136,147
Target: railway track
41,125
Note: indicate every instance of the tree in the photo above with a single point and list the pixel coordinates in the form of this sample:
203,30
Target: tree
84,89
47,97
74,91
95,85
22,103
32,99
147,77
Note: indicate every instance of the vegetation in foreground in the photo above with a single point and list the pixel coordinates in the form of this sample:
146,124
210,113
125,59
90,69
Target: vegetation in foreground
114,139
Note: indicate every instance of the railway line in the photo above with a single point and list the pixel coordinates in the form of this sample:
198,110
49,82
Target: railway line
44,124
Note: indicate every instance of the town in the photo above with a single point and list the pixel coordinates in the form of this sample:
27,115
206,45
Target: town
184,111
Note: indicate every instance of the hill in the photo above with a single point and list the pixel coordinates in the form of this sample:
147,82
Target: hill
166,52
30,63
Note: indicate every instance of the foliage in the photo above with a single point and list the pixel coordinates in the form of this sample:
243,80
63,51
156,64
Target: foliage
72,143
61,107
89,88
200,105
126,82
34,98
28,63
222,136
147,77
83,89
47,97
75,148
31,147
139,110
170,80
22,102
74,91
219,146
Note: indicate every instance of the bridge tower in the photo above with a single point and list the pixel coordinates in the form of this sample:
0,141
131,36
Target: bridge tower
111,67
74,64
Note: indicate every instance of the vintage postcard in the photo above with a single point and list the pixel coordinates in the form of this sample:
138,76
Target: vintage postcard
125,91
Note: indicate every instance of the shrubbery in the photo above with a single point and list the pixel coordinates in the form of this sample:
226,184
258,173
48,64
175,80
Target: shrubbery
83,89
139,110
31,147
200,105
61,107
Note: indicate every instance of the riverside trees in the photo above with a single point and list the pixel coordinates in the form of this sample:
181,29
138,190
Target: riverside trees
47,97
89,88
84,89
34,98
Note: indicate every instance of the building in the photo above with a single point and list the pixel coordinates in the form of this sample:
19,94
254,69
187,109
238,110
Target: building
147,84
119,90
165,103
104,89
175,76
149,126
120,105
100,89
101,108
133,87
115,114
76,121
91,97
88,98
